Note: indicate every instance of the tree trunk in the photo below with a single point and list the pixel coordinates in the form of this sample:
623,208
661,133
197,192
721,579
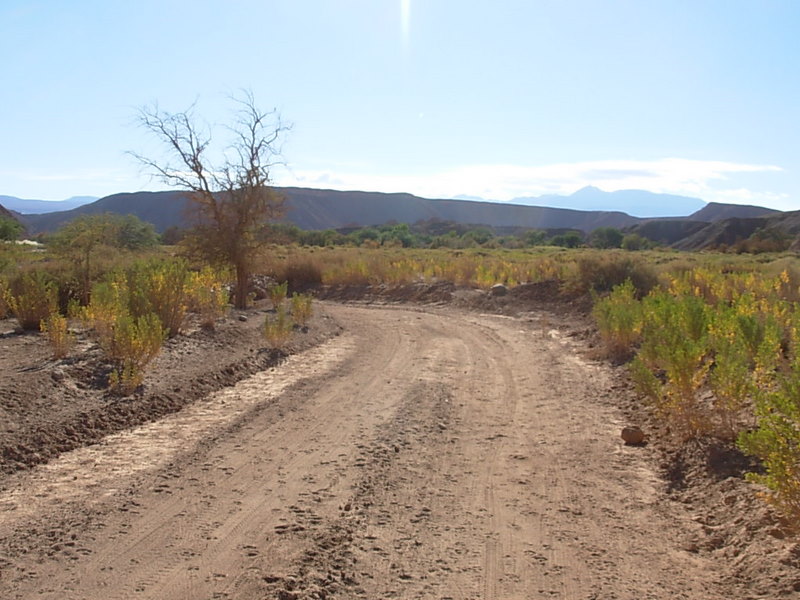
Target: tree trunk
242,285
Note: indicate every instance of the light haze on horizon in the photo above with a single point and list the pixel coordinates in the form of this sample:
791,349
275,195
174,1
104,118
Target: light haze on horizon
437,98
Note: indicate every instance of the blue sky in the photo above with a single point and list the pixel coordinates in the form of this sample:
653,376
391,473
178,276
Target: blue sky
435,97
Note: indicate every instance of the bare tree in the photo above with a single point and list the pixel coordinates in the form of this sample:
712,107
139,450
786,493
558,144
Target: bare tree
232,200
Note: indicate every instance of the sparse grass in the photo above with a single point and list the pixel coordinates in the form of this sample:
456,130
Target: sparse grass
277,294
278,328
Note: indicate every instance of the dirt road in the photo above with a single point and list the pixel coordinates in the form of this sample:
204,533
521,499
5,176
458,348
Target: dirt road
421,454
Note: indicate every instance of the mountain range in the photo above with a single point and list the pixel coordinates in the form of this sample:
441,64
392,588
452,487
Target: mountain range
638,203
35,207
331,209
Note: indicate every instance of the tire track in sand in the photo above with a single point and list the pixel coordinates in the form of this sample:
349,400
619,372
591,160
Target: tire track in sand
436,454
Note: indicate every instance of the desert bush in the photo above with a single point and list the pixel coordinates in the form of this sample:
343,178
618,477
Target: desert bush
277,294
619,320
4,299
209,296
675,343
776,442
278,328
128,340
602,271
55,328
109,302
731,382
162,287
646,383
301,308
136,342
32,297
301,274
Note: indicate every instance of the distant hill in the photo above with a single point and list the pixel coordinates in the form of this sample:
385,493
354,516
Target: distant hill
667,231
330,209
724,232
637,203
714,211
322,209
24,206
736,229
162,209
6,213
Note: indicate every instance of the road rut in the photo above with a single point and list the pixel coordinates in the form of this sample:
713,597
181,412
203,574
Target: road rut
421,454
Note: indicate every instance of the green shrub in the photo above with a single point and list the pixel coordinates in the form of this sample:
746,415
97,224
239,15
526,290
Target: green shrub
776,442
634,242
302,308
606,237
33,297
136,342
619,320
55,327
209,296
602,271
675,343
109,301
10,229
4,299
162,287
277,294
278,328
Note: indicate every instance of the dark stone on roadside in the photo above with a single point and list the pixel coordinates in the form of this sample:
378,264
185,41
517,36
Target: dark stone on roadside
498,289
633,436
243,318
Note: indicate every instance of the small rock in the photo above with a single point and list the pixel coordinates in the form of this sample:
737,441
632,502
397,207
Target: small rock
632,435
777,533
243,318
498,289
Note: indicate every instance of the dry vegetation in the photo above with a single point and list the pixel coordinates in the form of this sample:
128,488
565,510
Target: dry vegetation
712,340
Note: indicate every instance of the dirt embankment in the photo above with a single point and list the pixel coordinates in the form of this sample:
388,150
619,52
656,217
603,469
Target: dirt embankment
421,453
52,406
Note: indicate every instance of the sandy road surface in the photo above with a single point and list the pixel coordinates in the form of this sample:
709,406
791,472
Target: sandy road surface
421,454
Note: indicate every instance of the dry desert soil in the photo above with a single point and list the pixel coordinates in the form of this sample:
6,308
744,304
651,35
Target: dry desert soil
462,448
